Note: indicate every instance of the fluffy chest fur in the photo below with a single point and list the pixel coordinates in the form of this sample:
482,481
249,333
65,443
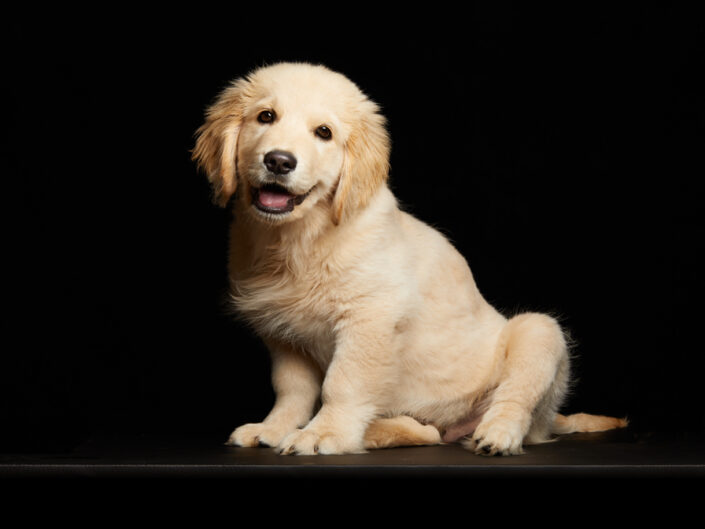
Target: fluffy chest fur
300,282
277,286
289,308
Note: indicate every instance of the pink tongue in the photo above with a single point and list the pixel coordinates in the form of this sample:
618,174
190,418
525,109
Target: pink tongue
273,200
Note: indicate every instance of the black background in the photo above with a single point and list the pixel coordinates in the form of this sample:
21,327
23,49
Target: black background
561,151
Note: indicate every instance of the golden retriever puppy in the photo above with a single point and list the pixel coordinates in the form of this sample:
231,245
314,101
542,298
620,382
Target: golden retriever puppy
378,334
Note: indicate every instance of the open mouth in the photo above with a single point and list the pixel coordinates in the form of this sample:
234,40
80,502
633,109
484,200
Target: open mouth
275,199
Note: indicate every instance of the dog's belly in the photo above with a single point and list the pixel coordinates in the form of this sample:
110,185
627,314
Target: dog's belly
454,417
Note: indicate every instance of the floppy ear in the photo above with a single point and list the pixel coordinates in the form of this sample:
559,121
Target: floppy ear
216,141
366,163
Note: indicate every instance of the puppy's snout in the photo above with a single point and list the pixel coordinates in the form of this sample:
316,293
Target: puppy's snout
280,162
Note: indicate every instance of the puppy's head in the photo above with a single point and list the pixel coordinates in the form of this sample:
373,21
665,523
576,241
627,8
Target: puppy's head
292,137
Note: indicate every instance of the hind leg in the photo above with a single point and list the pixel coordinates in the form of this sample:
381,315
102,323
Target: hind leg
531,385
544,417
400,431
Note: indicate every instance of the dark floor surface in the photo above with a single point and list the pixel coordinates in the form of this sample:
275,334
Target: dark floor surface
610,454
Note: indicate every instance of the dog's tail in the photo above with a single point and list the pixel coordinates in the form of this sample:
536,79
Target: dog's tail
583,422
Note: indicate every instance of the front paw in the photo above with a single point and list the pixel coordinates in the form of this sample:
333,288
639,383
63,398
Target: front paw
257,434
496,438
311,442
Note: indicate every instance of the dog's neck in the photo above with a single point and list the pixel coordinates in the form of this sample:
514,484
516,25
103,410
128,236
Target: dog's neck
306,243
291,245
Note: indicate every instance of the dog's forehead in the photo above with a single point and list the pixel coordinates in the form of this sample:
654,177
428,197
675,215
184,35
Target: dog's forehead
307,98
306,88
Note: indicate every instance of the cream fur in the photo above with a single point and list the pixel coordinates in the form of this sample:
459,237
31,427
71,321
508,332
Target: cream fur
367,312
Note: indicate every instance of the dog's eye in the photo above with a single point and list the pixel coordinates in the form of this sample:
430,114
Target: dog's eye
324,132
266,116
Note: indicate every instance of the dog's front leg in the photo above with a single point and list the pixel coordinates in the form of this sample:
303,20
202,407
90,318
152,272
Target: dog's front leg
297,384
354,385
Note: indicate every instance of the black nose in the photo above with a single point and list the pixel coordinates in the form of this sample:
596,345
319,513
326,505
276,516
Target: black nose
280,162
